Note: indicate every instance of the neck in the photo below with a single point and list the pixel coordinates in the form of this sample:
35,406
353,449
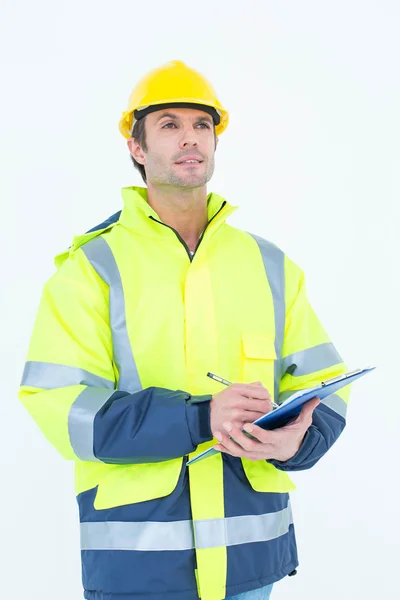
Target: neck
181,208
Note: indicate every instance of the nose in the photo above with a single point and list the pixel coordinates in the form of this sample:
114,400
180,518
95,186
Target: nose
189,138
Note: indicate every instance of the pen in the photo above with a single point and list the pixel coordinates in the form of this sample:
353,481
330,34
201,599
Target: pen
218,378
226,382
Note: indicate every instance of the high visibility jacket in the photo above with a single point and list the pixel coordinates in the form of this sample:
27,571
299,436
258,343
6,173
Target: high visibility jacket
116,378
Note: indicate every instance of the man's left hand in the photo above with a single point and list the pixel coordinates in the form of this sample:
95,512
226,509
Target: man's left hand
279,444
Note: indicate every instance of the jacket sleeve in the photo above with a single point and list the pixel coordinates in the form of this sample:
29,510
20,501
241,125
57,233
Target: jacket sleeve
69,382
309,357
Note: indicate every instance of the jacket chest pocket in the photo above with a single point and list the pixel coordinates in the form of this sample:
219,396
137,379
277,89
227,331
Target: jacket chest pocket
258,359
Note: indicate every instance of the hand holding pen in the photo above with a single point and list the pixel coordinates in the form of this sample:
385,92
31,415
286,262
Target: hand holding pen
228,383
238,404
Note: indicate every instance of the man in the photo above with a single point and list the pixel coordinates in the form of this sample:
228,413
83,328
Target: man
140,309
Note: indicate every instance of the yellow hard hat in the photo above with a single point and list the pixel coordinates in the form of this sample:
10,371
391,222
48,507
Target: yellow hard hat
173,84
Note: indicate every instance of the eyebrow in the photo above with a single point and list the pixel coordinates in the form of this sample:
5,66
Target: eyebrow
176,118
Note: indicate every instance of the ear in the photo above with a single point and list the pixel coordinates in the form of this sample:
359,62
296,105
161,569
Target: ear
136,151
216,142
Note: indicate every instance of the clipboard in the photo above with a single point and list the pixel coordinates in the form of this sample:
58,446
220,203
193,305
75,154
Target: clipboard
291,407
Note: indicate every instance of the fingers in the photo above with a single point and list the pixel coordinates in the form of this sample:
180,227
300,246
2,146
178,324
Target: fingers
314,402
308,409
262,435
256,391
235,440
260,406
229,446
232,445
305,417
248,416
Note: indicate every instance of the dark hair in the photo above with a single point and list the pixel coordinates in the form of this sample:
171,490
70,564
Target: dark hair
139,134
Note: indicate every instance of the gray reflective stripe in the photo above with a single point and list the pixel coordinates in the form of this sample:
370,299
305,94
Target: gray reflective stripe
232,531
334,402
337,404
312,359
144,536
49,376
100,256
178,535
274,265
81,421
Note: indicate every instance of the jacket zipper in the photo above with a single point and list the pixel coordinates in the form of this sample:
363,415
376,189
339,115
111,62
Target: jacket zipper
183,241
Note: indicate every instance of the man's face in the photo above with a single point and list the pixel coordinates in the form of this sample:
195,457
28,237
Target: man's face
173,136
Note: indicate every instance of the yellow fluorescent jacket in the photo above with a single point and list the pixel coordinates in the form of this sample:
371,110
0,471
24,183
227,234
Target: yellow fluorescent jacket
116,379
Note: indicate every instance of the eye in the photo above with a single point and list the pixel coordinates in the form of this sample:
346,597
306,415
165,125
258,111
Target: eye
206,124
167,124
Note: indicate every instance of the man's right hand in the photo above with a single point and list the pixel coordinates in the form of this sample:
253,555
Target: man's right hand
238,404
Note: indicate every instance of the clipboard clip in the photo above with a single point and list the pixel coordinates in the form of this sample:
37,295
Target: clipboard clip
340,377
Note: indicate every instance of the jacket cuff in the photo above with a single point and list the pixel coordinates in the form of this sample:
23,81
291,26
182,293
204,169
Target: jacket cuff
198,418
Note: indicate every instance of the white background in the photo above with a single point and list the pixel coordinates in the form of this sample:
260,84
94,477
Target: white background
312,156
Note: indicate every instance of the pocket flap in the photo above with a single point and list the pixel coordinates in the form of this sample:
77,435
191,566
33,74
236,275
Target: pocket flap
258,345
129,484
264,477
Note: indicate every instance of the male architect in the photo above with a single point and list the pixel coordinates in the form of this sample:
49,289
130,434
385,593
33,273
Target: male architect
140,309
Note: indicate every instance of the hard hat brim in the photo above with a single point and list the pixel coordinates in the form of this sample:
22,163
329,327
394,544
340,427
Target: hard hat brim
213,112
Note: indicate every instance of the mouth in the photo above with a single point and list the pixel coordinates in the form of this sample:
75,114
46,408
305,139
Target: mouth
189,163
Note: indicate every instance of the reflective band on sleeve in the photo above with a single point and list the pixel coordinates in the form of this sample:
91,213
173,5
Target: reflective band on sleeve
81,421
144,536
178,535
273,259
100,256
337,404
312,359
50,376
334,402
242,530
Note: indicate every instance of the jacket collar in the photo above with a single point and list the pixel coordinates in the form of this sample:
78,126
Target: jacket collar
137,215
